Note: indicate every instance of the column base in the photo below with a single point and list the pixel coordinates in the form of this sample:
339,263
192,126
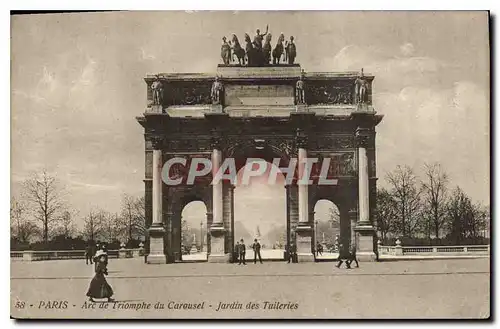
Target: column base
156,259
366,256
306,258
217,241
364,242
224,258
303,238
156,245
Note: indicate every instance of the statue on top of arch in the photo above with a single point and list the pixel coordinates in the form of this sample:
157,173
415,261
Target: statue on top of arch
257,51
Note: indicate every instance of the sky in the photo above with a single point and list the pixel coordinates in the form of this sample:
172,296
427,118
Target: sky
77,86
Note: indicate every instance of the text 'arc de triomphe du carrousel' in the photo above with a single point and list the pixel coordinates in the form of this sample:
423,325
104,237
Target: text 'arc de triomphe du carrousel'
260,104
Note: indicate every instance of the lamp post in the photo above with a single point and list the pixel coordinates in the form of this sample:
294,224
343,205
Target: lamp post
201,236
316,233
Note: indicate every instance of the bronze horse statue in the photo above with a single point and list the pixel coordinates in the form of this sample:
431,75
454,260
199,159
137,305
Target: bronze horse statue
238,50
278,50
267,49
250,51
225,51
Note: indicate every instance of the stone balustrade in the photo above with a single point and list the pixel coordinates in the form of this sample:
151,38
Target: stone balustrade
399,250
30,255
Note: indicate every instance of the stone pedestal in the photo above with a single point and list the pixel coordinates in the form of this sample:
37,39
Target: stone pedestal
216,108
156,109
364,242
217,241
301,108
156,253
303,236
122,253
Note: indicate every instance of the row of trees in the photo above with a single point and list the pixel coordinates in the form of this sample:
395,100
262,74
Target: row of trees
428,209
41,214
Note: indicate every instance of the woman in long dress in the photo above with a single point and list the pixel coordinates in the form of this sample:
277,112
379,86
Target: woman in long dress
99,287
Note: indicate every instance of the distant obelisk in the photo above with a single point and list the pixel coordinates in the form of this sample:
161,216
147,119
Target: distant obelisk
193,246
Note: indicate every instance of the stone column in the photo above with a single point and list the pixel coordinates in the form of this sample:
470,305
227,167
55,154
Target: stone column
157,231
304,229
364,227
217,230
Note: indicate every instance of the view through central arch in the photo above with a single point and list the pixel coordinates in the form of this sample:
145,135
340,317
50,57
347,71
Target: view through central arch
260,212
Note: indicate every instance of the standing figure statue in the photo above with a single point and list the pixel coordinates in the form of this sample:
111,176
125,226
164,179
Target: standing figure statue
225,51
259,38
278,50
267,49
157,88
299,90
291,51
360,88
217,90
237,50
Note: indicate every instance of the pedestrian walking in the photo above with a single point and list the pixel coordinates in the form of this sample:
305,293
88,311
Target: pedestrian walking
89,254
343,256
242,252
352,256
292,253
256,251
236,252
99,287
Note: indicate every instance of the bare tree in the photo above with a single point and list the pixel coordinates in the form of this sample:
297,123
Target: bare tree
92,226
111,226
66,224
406,194
21,227
133,217
334,217
43,192
435,198
386,214
140,211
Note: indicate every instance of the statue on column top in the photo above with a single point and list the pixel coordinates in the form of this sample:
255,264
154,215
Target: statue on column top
360,88
157,88
299,90
217,90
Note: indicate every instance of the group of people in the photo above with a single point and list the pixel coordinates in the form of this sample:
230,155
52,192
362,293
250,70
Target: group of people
240,252
99,287
348,256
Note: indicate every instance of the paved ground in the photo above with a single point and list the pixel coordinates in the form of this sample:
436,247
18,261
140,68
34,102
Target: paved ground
270,254
416,289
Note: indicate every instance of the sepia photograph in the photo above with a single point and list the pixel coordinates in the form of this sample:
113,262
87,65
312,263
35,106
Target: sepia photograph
250,165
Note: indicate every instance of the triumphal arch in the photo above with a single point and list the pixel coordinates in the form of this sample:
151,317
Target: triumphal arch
262,111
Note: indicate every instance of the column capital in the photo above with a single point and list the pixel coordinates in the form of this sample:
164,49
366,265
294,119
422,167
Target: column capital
157,142
216,141
363,137
301,139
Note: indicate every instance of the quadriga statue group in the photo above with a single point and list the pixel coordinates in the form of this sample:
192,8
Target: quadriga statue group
258,52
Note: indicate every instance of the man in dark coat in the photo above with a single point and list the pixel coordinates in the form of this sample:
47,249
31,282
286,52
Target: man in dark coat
242,252
292,253
343,256
352,257
236,252
256,251
89,254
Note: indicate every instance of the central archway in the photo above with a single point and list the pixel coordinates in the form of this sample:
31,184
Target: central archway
260,212
260,202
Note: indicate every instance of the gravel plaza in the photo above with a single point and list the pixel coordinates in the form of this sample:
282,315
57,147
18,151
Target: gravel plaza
453,288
